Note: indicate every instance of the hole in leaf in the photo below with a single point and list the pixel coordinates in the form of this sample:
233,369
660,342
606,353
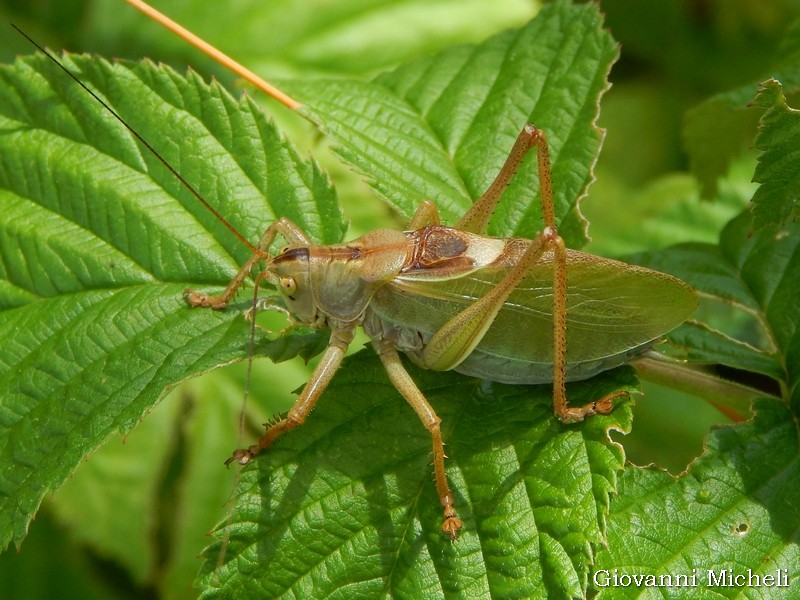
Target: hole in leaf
741,529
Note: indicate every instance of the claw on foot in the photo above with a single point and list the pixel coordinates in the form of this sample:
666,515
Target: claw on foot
606,405
241,456
451,527
203,300
603,406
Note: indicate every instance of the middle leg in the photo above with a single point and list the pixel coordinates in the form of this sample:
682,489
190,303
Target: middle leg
408,389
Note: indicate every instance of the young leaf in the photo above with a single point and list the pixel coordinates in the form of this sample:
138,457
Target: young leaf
99,241
440,128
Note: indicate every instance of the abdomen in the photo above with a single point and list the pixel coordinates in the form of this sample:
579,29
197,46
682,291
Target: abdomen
615,311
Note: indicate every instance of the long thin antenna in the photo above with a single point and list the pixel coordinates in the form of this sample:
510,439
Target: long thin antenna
251,352
220,57
143,141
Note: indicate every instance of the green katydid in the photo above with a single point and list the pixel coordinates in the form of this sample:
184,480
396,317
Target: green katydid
512,310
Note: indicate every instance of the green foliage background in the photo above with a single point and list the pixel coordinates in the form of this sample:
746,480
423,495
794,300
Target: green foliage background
131,520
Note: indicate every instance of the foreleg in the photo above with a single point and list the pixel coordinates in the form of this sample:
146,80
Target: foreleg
283,226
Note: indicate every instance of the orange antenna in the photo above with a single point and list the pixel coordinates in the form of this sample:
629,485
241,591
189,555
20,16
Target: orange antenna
217,55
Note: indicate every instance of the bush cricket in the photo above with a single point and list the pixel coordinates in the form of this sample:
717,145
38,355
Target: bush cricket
452,298
511,310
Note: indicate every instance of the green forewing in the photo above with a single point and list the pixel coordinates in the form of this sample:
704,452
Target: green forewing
613,310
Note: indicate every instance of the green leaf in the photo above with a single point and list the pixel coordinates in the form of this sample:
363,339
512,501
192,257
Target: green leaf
440,128
99,241
315,39
738,506
51,567
721,127
666,211
199,489
777,200
754,274
714,132
354,484
123,481
107,249
332,503
334,509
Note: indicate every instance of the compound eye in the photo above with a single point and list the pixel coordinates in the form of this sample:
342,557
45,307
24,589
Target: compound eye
288,286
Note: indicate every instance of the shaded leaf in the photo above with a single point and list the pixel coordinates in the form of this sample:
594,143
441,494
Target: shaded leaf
666,211
120,515
737,508
715,132
35,574
721,127
202,486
